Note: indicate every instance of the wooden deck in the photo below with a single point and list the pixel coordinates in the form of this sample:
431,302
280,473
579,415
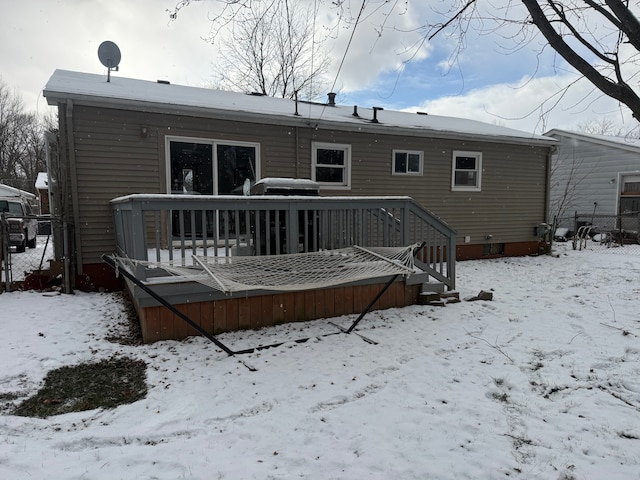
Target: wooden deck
161,228
255,312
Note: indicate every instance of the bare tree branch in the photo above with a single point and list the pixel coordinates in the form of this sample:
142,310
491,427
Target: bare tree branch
620,91
265,46
455,17
629,24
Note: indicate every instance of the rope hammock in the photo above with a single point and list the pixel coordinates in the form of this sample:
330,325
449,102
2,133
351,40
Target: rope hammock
295,272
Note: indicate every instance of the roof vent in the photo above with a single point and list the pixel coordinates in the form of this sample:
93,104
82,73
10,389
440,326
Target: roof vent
332,99
355,111
375,114
164,82
257,94
422,113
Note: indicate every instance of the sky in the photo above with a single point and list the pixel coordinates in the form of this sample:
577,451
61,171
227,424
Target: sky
542,382
490,81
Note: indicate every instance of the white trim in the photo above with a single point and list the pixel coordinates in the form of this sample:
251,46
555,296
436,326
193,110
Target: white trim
408,152
346,148
478,170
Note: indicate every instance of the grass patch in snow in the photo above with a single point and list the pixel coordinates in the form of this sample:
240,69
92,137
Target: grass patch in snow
105,384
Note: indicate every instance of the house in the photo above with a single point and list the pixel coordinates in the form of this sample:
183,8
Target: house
596,177
127,136
42,186
157,172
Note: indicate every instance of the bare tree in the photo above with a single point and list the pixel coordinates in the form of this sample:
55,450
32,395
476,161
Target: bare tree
599,38
11,122
568,173
601,126
22,153
267,47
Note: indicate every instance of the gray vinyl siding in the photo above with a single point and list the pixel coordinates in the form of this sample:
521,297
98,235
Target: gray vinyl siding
113,160
591,171
511,202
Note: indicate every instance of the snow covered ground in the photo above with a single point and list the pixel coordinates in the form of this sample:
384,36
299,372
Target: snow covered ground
543,382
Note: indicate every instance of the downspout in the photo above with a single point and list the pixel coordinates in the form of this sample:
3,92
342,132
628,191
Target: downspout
48,142
67,258
71,152
547,194
47,154
297,152
53,181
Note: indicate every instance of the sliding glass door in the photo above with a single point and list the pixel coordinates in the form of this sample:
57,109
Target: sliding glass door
203,167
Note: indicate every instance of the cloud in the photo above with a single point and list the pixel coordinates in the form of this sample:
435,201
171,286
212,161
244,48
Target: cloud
490,82
39,36
381,44
533,104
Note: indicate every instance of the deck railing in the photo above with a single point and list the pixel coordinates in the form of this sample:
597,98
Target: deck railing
161,228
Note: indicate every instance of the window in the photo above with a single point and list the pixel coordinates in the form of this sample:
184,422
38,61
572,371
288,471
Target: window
191,169
211,167
199,166
235,164
467,168
630,194
407,162
631,185
332,165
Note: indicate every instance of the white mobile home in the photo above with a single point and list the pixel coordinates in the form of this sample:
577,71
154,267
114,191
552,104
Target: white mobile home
593,174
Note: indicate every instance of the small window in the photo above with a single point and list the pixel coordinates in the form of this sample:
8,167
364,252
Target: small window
407,162
332,165
631,186
467,170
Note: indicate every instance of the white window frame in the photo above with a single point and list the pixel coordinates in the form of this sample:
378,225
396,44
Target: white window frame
628,178
407,172
477,170
214,154
346,178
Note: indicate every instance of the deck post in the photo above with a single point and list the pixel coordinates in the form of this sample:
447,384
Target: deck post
293,229
406,225
138,238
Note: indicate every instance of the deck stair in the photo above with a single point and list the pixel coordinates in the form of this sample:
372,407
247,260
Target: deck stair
433,293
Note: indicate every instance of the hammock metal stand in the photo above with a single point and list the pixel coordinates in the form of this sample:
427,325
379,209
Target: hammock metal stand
111,261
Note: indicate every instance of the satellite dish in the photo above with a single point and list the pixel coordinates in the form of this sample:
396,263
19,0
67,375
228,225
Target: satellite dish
109,55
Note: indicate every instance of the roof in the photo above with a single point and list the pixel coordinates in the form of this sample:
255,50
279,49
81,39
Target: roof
142,95
42,181
625,143
7,191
